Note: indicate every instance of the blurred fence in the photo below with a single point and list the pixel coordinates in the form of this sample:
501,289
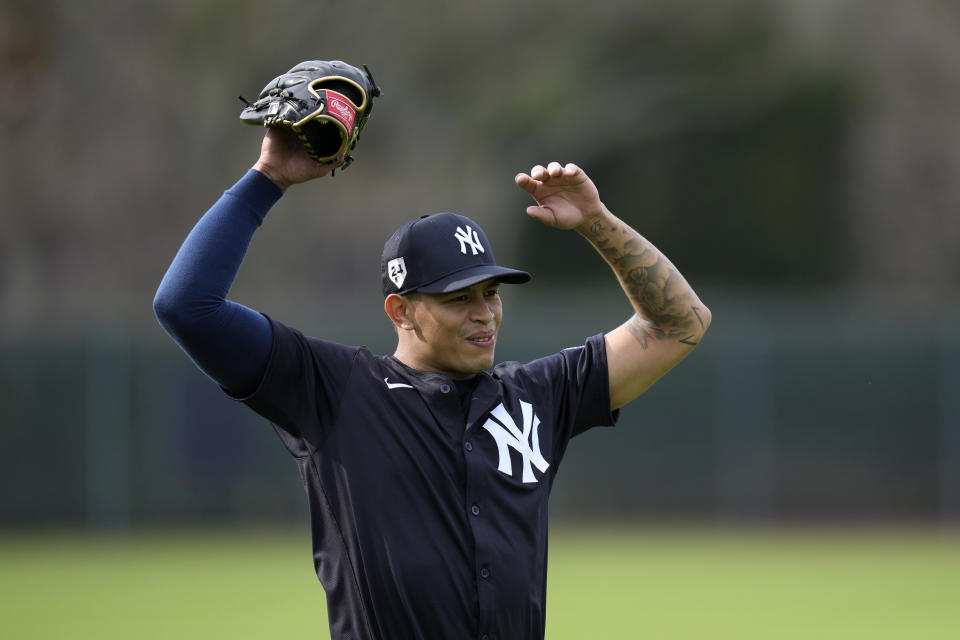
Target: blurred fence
795,407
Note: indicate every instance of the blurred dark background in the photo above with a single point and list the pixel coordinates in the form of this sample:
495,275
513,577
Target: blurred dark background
796,160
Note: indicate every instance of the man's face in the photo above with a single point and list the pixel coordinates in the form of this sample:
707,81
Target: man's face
456,333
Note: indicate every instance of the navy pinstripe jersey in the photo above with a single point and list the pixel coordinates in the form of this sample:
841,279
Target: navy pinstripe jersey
428,515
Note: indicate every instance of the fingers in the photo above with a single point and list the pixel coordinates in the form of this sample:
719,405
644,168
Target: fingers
551,172
526,183
554,170
541,214
553,175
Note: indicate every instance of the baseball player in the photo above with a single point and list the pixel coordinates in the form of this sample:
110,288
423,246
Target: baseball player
427,471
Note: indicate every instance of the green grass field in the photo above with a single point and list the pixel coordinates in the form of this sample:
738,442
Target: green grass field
785,584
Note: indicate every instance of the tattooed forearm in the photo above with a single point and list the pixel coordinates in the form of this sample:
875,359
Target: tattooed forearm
644,330
667,308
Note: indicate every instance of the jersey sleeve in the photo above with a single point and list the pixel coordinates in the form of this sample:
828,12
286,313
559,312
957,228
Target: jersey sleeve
575,382
303,383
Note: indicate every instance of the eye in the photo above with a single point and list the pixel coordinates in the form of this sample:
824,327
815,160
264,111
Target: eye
493,292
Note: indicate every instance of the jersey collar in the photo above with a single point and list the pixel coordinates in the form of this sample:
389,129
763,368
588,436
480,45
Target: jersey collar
436,387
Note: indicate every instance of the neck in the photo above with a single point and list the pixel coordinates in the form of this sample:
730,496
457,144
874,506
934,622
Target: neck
415,364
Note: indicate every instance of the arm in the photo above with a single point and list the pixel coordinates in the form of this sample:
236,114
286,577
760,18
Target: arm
228,341
669,318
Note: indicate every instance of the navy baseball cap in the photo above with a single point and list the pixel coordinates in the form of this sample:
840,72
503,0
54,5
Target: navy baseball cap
439,253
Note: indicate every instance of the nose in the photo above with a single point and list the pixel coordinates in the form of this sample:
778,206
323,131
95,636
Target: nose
481,310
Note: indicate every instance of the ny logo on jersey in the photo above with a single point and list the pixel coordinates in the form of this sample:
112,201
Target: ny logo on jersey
526,442
468,237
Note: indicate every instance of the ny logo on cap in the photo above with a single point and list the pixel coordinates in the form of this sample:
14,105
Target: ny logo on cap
468,237
397,271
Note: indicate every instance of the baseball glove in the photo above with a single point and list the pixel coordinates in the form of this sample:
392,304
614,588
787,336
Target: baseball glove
325,103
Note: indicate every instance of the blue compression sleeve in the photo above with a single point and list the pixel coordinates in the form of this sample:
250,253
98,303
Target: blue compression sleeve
229,342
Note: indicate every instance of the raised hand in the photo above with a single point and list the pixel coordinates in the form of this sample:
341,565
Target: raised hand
284,159
566,198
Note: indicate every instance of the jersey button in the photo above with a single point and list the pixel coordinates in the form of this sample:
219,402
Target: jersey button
444,388
484,573
475,510
468,446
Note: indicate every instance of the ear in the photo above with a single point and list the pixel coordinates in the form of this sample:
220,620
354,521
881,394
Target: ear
399,309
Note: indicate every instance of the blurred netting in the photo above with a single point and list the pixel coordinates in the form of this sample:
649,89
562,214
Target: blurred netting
794,408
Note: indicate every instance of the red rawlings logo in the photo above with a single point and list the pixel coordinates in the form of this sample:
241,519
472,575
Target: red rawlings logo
339,107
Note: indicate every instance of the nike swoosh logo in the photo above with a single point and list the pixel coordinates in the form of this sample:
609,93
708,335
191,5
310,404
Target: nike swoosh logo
397,385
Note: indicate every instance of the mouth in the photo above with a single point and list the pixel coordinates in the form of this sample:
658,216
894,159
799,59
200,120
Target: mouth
483,339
